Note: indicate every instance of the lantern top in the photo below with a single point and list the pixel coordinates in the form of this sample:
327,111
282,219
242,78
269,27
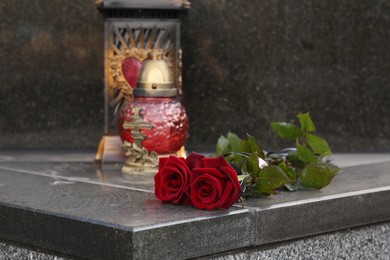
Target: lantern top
155,78
143,4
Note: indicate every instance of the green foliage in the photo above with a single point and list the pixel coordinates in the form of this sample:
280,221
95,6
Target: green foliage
270,178
252,165
289,171
234,141
318,144
223,146
307,124
305,155
251,146
286,130
245,153
303,168
294,160
316,176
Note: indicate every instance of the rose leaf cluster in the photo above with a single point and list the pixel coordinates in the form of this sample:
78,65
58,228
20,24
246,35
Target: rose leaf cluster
306,165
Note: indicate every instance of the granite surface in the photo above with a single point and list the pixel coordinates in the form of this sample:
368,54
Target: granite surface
245,65
98,221
371,242
12,252
80,209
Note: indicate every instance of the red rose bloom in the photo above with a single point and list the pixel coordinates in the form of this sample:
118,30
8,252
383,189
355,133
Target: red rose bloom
172,179
214,184
194,160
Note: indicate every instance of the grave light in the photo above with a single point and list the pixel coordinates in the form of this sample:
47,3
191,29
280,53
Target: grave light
142,61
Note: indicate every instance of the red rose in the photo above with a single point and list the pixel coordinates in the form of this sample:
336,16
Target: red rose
214,184
172,180
194,160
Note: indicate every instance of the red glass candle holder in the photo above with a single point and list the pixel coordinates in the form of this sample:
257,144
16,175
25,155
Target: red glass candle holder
155,120
169,122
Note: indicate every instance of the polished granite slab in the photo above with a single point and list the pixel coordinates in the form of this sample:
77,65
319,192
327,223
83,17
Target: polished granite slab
64,202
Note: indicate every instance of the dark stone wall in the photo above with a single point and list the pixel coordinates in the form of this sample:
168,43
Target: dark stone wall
246,63
51,74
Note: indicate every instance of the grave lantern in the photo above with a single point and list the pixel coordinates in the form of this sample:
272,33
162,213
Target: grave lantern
142,79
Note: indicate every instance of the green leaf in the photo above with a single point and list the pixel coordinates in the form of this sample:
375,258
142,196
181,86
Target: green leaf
222,145
307,124
305,155
234,157
289,171
332,167
252,165
242,177
316,176
270,178
234,142
293,158
245,146
287,130
255,147
251,146
318,144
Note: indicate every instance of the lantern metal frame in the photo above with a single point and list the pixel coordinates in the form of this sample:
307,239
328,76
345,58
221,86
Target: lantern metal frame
134,29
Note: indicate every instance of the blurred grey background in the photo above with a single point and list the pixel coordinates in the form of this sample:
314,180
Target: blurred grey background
246,63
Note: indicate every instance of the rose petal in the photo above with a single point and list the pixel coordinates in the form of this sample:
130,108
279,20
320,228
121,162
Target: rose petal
226,199
215,162
172,180
208,196
177,161
174,183
214,184
199,199
212,171
161,162
170,193
230,173
195,160
236,186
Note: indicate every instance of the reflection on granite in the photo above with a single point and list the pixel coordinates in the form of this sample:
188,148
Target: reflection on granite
69,188
80,209
93,173
104,220
109,177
